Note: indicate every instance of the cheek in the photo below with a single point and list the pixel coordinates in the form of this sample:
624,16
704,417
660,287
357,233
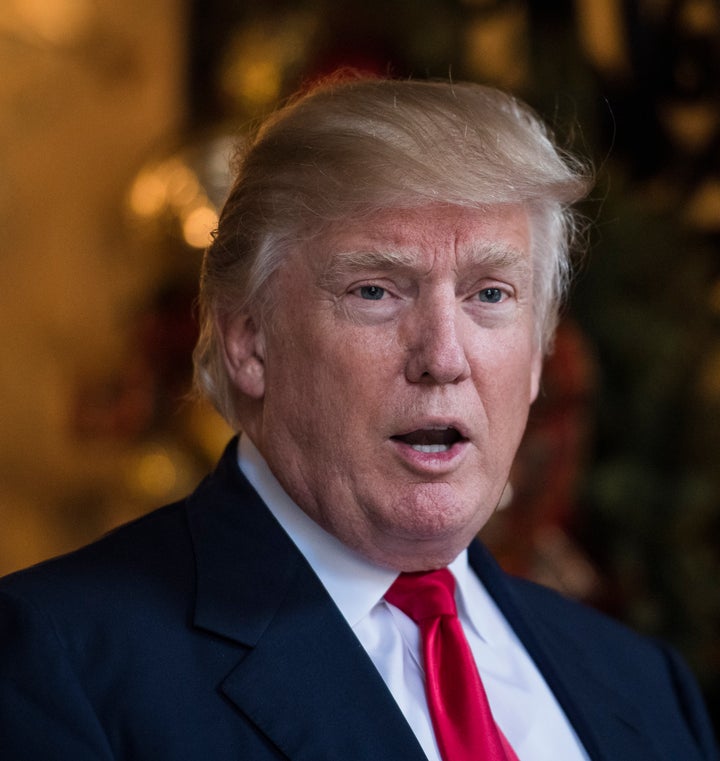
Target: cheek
508,362
309,387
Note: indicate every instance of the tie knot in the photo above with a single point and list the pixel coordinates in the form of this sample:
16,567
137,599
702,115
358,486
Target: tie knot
428,594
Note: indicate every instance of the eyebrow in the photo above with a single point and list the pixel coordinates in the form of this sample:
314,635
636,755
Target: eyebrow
500,256
348,263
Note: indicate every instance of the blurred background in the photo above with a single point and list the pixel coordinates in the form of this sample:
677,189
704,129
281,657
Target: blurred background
117,120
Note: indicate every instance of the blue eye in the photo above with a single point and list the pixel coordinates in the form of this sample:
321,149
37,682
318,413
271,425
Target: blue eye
371,292
490,295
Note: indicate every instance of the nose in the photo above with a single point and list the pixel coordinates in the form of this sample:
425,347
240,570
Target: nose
436,350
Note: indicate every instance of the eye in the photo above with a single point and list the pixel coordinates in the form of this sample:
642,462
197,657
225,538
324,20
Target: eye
490,295
371,292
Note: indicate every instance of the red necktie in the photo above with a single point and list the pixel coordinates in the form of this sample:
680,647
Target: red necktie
464,726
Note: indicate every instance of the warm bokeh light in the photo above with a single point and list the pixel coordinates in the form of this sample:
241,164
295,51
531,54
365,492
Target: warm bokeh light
497,48
600,27
171,191
709,385
59,22
703,208
182,185
155,473
198,225
261,56
148,194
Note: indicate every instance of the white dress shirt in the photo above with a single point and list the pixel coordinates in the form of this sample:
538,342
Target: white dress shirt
521,702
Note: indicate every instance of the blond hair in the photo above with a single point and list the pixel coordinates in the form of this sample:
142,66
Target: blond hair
351,147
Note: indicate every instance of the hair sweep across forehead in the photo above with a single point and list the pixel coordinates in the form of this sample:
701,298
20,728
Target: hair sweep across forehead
353,146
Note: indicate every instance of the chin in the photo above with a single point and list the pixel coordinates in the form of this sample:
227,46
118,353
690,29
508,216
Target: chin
431,515
410,554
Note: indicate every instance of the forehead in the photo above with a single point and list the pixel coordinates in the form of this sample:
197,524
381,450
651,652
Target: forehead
417,237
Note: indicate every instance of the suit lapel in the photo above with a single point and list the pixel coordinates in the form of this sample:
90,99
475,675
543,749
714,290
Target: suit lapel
310,686
607,724
304,679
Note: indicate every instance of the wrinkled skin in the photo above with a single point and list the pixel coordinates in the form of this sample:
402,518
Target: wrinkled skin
391,390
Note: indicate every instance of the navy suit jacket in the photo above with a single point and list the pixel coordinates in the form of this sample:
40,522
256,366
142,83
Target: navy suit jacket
200,632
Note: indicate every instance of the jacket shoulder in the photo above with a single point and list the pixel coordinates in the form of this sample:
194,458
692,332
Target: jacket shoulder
636,669
136,556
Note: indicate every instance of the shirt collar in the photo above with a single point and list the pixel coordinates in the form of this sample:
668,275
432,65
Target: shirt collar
475,605
355,584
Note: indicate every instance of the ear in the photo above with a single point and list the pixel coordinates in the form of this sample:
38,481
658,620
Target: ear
244,354
536,368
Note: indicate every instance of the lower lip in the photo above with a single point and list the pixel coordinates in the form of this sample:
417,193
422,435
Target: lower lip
432,462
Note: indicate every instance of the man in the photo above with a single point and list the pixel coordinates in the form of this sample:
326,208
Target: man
375,307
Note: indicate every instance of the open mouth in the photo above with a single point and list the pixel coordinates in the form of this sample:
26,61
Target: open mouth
431,440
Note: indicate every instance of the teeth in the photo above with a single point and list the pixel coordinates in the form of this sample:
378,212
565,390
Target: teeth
430,448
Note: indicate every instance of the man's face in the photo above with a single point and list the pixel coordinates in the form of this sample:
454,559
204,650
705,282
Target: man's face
393,384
